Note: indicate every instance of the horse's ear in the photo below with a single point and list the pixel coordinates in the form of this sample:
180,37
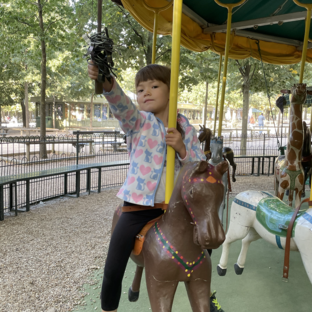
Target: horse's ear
202,167
200,127
222,167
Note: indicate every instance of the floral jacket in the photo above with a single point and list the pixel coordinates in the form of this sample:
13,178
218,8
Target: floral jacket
146,146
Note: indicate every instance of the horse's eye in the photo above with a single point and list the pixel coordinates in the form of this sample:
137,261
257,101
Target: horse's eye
191,191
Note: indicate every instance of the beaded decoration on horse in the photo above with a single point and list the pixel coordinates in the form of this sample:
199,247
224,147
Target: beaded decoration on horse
187,266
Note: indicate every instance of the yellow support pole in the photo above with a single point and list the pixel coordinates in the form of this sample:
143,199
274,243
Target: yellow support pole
308,6
230,7
217,100
154,38
156,12
173,99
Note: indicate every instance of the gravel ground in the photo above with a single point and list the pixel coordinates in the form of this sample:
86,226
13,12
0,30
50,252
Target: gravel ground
47,254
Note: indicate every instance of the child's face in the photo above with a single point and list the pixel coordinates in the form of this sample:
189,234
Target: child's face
153,96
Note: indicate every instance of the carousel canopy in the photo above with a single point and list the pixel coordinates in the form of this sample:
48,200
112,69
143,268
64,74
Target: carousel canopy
279,26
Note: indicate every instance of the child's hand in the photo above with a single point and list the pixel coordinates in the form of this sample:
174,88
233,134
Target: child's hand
174,139
93,71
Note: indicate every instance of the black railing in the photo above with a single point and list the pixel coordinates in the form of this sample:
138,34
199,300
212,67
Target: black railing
20,155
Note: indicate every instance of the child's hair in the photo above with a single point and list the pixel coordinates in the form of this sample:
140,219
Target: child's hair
153,72
156,72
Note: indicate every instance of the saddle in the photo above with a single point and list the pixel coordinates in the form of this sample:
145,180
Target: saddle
140,238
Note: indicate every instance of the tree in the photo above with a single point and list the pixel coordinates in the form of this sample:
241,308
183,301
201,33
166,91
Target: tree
49,25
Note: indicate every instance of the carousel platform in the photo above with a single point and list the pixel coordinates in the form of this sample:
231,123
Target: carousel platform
260,287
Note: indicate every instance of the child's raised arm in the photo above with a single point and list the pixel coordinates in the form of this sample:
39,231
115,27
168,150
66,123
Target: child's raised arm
121,106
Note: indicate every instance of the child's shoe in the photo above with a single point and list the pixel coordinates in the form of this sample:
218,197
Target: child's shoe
214,304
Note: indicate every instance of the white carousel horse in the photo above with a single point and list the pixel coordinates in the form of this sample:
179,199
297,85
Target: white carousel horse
256,214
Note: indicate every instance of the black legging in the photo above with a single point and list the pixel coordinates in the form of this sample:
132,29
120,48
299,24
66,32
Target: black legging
120,247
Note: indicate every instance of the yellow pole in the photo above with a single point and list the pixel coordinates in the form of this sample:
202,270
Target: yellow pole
308,6
173,99
217,101
226,55
155,37
156,12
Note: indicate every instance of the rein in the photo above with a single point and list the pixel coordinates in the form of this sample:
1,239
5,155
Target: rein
288,237
306,158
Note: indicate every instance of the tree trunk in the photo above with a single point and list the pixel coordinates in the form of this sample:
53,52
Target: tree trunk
206,103
53,112
91,110
23,113
149,49
243,145
26,106
43,149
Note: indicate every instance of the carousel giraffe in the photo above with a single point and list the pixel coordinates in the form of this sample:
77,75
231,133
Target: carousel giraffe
289,174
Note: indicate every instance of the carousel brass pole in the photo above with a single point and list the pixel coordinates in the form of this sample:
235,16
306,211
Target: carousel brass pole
173,98
308,6
156,12
217,100
226,55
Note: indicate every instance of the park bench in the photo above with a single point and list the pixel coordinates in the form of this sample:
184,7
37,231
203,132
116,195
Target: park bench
260,159
27,177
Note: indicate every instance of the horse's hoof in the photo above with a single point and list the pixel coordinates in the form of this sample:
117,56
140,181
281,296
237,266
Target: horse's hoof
234,180
133,296
221,271
238,269
287,193
303,195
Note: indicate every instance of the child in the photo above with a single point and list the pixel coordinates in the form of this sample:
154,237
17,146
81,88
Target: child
147,137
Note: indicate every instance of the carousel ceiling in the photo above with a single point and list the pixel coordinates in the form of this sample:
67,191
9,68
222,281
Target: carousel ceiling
279,26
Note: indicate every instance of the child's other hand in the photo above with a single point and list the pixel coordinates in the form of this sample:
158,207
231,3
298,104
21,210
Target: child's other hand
93,70
174,139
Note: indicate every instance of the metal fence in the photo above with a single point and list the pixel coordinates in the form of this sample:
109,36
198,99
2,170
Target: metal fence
20,155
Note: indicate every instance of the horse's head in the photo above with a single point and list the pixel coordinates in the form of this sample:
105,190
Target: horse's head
299,93
216,148
202,193
204,133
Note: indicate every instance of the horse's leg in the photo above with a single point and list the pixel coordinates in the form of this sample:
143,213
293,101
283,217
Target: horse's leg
199,295
276,186
235,232
234,171
290,197
134,290
160,294
251,237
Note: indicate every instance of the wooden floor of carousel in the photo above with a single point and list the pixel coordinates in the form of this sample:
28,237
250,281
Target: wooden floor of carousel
259,288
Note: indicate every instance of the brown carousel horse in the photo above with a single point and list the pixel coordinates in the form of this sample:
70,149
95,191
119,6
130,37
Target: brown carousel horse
175,247
205,136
